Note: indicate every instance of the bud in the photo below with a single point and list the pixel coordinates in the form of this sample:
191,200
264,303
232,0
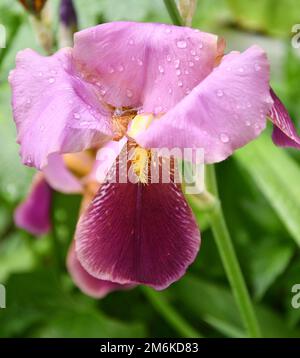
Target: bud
187,10
33,6
68,23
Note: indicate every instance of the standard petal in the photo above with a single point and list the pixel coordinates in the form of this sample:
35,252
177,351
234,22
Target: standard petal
88,284
55,110
138,234
33,215
223,113
59,177
284,133
145,64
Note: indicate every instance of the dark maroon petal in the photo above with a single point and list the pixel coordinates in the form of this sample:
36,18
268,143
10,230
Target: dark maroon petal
135,233
284,133
33,215
88,284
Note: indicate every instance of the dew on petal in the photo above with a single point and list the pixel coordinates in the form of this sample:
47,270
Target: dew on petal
40,74
103,92
180,84
257,67
28,101
224,138
178,72
193,52
169,59
241,70
157,109
201,45
140,62
76,115
191,64
161,69
51,80
120,68
131,42
220,93
248,123
177,63
170,91
181,44
168,30
111,70
129,93
249,105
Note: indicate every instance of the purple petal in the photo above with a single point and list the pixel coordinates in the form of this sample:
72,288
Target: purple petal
284,133
138,234
59,177
223,113
88,284
33,215
145,64
55,110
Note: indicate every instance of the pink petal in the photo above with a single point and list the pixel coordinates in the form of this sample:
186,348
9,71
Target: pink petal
284,133
59,177
138,234
55,110
146,64
88,284
223,113
33,215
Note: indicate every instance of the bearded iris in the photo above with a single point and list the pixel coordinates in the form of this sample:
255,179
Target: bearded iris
155,86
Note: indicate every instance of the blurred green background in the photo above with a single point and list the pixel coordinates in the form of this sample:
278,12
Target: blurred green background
259,185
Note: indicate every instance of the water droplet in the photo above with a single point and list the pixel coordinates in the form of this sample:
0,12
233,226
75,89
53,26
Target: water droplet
186,72
224,138
131,42
193,52
177,63
180,84
178,72
140,62
257,67
187,91
181,44
241,70
220,93
161,69
129,93
76,115
42,128
170,91
191,64
132,58
28,101
53,72
40,74
228,68
197,58
111,70
28,161
168,30
103,91
257,126
249,105
248,123
120,68
200,45
169,59
51,80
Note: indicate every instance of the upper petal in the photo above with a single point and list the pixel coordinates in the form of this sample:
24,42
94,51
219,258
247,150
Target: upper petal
55,110
146,64
284,133
135,233
224,112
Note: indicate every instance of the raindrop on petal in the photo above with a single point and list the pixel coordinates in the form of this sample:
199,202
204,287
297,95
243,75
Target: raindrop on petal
257,67
161,69
51,80
220,93
181,44
76,115
224,138
129,93
180,84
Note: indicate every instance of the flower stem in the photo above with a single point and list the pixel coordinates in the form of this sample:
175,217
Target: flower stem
175,320
173,12
229,259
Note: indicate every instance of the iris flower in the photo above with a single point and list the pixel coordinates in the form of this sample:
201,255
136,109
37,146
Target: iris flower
153,86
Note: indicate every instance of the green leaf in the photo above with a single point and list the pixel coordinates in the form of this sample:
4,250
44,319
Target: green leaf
268,260
215,305
38,306
266,15
277,175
